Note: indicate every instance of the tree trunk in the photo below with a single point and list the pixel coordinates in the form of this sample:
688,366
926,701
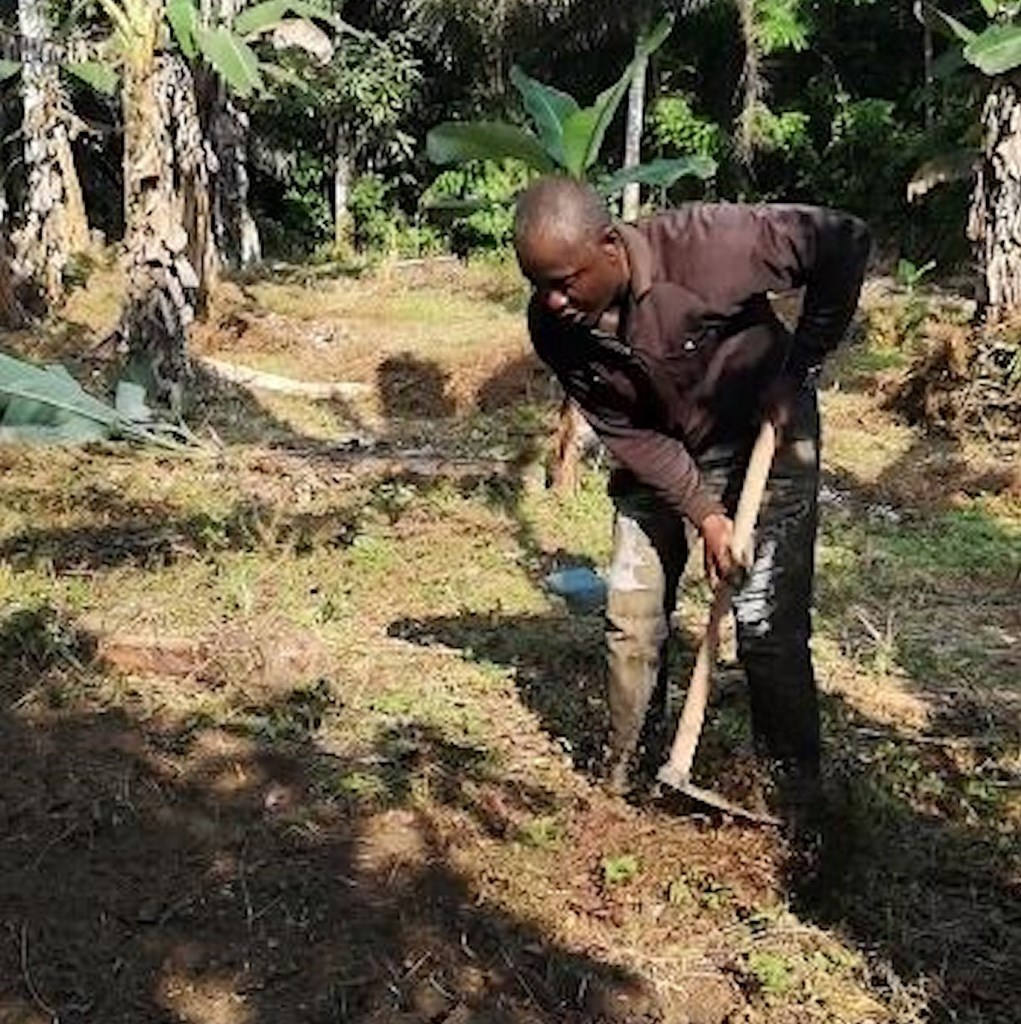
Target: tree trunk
11,313
55,225
161,283
752,84
342,174
994,223
568,448
237,235
633,137
192,159
929,79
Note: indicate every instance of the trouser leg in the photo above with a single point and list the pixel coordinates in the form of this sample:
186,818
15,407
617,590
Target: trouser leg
649,552
773,606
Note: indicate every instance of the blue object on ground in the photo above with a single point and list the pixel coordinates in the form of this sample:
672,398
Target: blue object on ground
582,588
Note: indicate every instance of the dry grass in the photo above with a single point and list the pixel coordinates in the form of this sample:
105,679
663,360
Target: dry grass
291,741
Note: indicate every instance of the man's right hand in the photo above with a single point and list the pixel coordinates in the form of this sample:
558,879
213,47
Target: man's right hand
718,534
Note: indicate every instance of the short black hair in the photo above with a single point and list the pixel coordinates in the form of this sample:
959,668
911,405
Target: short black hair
563,207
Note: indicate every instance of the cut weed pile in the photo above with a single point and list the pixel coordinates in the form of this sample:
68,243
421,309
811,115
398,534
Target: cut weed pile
293,732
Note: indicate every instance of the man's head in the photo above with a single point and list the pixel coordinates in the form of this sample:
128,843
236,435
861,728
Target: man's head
568,248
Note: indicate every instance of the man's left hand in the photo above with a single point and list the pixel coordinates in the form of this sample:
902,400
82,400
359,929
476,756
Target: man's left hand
779,399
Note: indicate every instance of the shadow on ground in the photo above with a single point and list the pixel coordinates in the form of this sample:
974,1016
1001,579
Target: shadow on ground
935,898
160,870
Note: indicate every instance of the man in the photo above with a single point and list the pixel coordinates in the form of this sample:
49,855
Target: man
664,335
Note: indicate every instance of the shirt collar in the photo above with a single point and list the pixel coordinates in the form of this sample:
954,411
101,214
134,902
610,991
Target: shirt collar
639,256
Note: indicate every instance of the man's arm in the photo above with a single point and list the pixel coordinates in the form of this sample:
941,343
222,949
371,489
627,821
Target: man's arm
732,250
665,465
658,461
825,252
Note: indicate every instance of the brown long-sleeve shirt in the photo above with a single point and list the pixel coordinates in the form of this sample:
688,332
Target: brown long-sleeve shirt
698,339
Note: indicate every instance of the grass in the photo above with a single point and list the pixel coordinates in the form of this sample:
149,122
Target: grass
381,648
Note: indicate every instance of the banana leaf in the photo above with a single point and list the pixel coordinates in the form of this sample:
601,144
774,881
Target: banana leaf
46,405
997,51
662,172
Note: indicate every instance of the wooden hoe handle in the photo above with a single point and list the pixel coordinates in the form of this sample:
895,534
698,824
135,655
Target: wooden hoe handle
682,754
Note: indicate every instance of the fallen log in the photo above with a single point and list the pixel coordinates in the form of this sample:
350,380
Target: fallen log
262,381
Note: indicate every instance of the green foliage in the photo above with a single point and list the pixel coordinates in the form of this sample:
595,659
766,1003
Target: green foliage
490,184
541,833
867,134
381,227
772,972
996,50
370,86
620,870
453,143
787,132
232,58
101,77
780,25
228,47
364,95
910,275
46,405
567,136
675,128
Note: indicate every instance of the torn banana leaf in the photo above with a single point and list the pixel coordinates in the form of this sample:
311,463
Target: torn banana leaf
46,405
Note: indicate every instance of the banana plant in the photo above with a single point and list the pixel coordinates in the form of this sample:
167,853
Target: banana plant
567,137
993,227
994,49
229,46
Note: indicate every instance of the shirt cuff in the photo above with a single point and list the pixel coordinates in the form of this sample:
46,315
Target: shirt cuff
701,505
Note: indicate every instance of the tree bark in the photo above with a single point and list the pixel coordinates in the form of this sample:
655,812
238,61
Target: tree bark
11,313
343,157
633,137
752,84
161,282
237,235
225,125
568,448
192,159
929,80
994,223
55,225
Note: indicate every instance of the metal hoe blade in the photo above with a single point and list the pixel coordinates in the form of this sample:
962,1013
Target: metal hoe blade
712,799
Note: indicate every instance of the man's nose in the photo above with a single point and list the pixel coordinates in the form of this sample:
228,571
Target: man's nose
555,300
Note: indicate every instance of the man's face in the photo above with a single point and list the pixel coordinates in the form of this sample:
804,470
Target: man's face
576,281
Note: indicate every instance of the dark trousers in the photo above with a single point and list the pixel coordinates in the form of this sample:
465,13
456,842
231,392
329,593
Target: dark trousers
772,608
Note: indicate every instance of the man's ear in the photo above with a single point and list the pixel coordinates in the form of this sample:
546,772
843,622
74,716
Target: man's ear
610,242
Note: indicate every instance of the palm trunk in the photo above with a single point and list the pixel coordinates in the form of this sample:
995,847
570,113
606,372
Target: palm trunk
633,137
161,283
237,235
55,224
11,313
193,179
226,126
342,173
994,223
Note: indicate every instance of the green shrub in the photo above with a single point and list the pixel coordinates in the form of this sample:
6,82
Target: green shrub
496,183
382,227
676,129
